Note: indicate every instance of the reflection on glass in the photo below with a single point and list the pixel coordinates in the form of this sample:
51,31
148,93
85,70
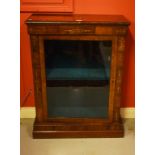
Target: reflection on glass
77,77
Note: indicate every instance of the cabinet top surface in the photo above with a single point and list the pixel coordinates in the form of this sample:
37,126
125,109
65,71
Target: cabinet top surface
77,19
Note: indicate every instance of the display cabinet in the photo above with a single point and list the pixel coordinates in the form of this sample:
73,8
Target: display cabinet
77,71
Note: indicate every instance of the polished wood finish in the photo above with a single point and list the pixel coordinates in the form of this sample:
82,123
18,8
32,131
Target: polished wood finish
77,27
77,19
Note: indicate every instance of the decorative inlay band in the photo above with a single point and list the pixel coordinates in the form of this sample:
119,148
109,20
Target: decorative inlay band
119,70
37,69
121,31
121,44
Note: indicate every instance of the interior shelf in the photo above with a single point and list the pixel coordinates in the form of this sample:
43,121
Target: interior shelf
77,74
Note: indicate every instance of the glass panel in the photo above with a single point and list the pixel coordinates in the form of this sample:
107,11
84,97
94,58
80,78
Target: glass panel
77,77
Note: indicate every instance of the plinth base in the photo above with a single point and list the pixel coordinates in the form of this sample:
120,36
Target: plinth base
53,130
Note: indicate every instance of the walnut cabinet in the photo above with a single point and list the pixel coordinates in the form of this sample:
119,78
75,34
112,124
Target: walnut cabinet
77,71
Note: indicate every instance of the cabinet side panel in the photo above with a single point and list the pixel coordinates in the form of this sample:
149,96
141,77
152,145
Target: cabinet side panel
118,80
37,77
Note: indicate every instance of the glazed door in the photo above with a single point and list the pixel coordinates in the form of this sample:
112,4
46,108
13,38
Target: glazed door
78,78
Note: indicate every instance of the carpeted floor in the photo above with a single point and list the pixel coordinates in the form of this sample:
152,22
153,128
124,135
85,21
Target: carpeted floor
86,146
